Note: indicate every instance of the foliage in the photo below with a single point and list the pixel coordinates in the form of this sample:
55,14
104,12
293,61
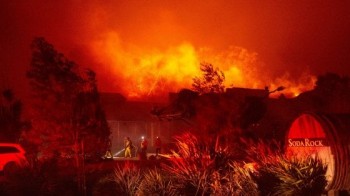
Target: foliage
196,170
188,178
182,106
212,80
105,185
190,166
331,82
127,179
185,103
90,117
188,171
66,103
11,123
279,175
236,180
39,178
331,92
253,110
262,151
156,182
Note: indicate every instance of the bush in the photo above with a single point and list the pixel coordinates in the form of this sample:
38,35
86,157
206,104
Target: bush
39,178
196,171
279,175
234,181
191,166
105,186
189,171
127,179
156,182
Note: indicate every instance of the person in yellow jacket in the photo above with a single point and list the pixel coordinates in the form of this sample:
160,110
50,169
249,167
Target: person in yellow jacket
127,146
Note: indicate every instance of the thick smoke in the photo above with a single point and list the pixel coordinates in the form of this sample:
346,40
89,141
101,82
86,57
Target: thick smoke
280,41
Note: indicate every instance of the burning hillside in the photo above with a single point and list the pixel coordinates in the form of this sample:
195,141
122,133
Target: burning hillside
144,73
143,49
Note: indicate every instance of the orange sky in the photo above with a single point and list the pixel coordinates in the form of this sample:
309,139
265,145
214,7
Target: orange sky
141,47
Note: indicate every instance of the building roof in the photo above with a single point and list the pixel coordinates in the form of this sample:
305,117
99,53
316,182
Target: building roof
247,92
118,108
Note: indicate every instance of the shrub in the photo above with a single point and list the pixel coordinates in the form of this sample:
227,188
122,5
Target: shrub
127,179
191,166
279,175
39,178
156,182
190,176
105,186
235,181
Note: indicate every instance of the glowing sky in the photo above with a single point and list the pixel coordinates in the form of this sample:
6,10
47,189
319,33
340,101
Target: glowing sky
158,44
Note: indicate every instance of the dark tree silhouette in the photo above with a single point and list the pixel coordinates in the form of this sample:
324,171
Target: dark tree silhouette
90,116
185,103
332,91
253,110
11,123
181,107
331,82
66,105
211,81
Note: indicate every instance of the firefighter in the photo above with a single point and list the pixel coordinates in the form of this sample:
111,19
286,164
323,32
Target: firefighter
108,154
158,145
144,145
127,146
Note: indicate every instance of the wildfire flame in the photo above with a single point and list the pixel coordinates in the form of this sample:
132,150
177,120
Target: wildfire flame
146,73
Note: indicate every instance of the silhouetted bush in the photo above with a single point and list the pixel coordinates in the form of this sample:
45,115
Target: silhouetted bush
156,182
279,175
40,178
127,179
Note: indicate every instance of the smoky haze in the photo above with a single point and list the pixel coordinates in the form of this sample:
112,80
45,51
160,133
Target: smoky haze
286,36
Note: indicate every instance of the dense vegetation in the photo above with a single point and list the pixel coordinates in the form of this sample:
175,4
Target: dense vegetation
190,170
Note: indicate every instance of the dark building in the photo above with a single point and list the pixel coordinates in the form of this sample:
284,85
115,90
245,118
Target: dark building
235,113
134,119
